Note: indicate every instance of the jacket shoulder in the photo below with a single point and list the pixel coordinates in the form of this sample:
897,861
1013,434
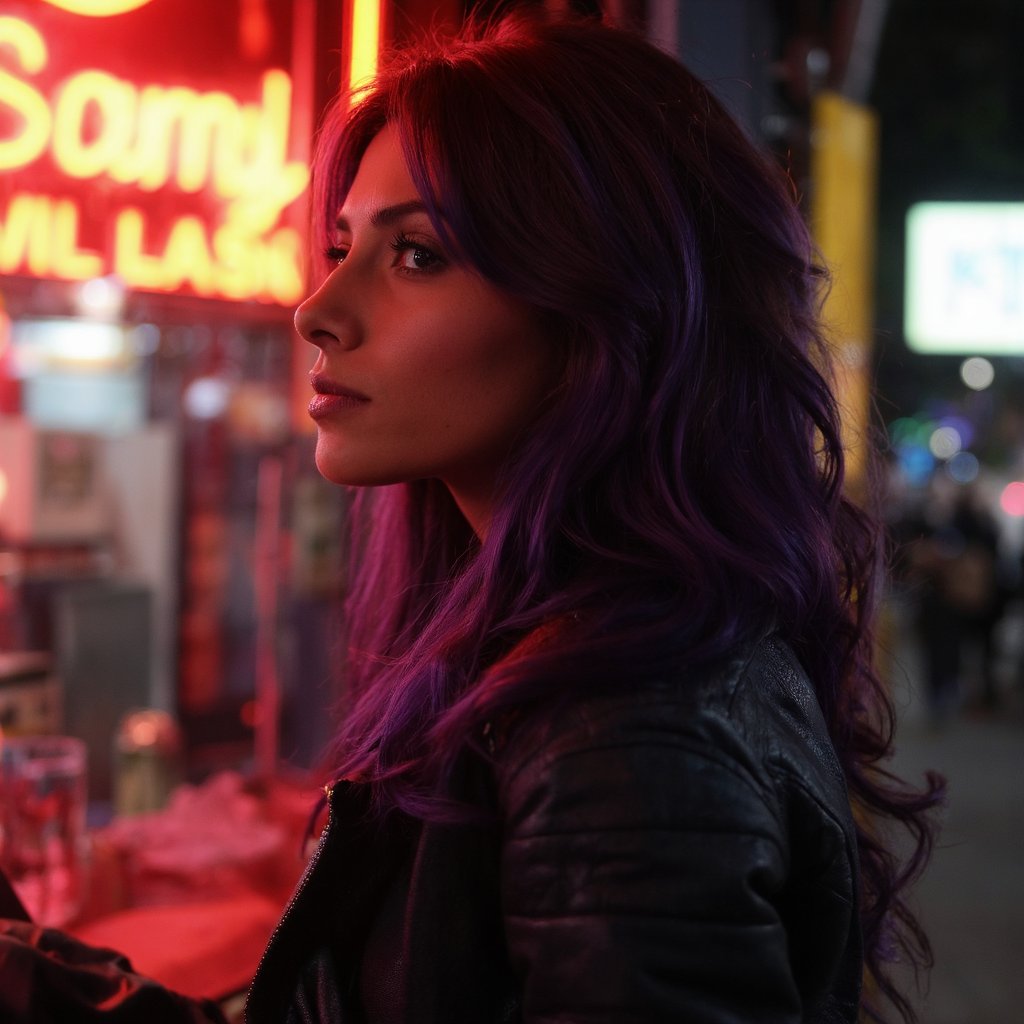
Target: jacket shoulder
755,709
709,807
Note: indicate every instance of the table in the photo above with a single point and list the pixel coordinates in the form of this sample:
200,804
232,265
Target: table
190,894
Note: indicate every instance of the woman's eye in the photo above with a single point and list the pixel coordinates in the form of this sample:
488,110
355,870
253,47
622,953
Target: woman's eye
335,254
414,257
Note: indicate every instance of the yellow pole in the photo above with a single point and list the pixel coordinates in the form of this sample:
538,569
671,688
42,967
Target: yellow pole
364,42
844,176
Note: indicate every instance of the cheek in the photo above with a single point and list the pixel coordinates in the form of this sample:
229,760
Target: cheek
463,361
451,360
506,347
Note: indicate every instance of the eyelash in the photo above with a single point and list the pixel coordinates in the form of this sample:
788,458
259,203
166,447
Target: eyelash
399,244
403,243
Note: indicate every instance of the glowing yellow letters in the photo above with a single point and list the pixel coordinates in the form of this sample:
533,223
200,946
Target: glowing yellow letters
98,8
152,137
30,107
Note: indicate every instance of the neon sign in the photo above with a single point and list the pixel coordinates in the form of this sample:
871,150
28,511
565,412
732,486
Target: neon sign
365,43
98,8
136,140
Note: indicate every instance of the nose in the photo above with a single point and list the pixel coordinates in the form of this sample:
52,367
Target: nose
325,319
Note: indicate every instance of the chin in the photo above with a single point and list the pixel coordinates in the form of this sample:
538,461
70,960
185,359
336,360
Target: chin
345,473
334,469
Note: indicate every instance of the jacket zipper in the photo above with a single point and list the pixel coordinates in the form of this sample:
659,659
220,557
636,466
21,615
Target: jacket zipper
310,865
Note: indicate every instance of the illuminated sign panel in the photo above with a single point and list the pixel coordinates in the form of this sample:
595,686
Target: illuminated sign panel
141,144
965,278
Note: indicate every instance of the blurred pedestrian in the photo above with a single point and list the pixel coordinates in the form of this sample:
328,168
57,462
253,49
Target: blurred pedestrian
961,596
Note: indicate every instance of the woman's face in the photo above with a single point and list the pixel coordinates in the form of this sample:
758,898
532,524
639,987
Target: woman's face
425,369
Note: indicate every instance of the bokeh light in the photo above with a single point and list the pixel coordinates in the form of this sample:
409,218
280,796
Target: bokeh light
963,426
903,430
977,373
916,462
145,339
102,297
251,713
963,467
206,398
945,442
1011,501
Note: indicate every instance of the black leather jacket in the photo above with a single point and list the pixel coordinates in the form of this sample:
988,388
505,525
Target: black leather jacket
681,852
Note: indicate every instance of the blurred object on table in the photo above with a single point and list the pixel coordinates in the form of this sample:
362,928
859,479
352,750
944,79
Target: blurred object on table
30,696
190,894
212,842
148,760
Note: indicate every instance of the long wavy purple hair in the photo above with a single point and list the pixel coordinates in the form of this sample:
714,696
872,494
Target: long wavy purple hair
684,489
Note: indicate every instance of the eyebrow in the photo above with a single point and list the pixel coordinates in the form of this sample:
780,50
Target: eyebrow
385,215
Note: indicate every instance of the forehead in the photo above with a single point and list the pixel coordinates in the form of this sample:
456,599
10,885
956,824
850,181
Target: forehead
382,177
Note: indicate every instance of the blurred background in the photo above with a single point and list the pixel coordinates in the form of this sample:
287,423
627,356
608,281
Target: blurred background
165,542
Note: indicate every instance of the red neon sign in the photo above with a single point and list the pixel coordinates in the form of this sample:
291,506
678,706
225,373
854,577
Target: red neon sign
170,186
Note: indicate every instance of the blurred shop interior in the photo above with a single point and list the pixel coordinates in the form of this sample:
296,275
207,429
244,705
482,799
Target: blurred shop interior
165,541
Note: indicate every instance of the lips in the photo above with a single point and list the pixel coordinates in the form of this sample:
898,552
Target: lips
332,397
325,386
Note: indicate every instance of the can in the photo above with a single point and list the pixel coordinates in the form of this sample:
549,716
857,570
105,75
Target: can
148,761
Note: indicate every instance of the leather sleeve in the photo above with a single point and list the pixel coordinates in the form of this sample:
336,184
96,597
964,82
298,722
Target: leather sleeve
642,866
48,977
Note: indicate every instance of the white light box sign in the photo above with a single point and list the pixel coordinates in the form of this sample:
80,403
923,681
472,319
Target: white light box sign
965,278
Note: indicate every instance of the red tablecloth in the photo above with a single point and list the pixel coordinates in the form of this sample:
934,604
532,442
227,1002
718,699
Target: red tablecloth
191,894
204,950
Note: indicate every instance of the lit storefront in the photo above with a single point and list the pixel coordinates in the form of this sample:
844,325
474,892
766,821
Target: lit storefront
153,177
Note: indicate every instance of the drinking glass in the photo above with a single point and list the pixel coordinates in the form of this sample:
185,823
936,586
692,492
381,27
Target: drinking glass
42,823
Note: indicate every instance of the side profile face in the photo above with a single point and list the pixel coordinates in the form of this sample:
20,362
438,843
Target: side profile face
425,369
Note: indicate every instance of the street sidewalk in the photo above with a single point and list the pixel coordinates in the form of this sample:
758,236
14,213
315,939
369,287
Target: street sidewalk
971,899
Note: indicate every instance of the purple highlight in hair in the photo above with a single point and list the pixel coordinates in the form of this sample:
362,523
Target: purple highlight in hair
683,490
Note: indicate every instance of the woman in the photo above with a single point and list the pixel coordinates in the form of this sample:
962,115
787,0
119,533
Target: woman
609,637
610,641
